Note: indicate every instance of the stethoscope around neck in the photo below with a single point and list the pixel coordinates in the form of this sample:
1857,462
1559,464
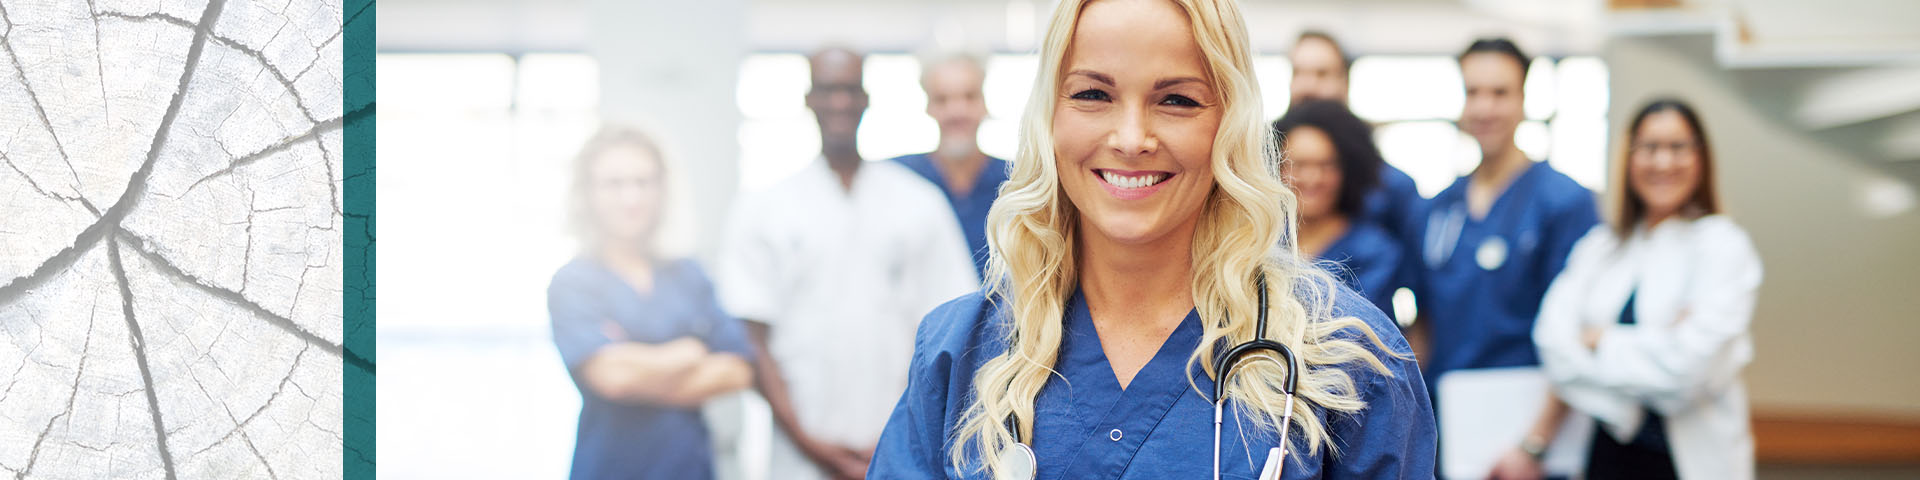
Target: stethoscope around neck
1017,462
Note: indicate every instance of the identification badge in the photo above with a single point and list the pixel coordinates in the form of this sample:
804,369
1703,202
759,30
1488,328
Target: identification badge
1492,253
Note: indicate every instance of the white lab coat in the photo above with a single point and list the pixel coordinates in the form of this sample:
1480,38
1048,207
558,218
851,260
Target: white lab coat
1695,282
842,278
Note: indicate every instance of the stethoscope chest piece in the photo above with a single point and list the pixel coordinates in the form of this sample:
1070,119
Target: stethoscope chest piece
1016,463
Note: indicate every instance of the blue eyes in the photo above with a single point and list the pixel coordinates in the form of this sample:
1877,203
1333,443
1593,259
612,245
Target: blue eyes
1097,95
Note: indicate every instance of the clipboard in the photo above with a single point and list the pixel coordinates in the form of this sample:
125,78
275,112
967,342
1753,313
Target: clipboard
1485,412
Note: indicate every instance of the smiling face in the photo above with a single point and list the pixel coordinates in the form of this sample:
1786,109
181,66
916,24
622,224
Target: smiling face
1313,170
1495,100
1663,167
1134,122
1319,72
837,97
624,194
954,97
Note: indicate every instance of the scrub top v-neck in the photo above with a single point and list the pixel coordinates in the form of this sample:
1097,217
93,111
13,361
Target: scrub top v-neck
1484,277
1160,425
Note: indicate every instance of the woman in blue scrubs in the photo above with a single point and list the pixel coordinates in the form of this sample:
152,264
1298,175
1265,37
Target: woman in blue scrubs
1333,167
1494,241
642,336
1141,219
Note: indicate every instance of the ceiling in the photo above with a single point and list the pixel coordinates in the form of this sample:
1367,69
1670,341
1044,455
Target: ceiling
1766,33
1395,26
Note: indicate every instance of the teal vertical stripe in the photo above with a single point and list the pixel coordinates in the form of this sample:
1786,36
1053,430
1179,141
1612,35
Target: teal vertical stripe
357,421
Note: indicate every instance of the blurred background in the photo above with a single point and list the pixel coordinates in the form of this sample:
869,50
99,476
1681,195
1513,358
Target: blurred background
1813,109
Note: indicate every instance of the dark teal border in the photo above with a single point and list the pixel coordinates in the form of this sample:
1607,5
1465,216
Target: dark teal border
357,418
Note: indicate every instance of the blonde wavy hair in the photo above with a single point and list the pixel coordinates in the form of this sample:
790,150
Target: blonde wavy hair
1030,231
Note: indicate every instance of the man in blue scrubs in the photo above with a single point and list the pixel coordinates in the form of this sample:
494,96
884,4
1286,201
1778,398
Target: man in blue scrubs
970,179
1495,240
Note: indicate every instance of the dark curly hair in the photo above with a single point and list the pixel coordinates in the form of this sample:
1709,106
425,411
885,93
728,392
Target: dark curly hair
1359,160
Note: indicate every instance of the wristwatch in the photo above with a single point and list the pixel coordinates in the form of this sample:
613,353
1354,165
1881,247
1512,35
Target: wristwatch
1534,446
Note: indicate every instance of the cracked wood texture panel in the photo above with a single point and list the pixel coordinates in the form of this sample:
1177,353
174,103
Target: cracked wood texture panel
170,239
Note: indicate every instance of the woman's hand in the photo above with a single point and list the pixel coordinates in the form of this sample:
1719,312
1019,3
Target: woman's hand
1517,465
1591,337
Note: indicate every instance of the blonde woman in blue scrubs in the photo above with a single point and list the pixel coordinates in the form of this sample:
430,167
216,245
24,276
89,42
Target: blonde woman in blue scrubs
1128,245
643,336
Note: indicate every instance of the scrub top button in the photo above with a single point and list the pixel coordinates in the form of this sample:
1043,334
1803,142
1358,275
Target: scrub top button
1114,435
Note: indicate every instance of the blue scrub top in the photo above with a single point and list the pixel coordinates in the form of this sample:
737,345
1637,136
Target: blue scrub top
618,440
1160,426
1368,259
1395,205
1483,279
969,208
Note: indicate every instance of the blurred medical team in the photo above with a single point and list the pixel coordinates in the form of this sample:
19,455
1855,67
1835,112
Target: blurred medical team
1164,282
832,269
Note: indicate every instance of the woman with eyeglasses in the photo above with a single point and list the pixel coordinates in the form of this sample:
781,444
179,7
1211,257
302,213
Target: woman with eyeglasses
1646,331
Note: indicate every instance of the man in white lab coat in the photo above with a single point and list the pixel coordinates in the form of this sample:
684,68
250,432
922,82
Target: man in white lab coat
833,269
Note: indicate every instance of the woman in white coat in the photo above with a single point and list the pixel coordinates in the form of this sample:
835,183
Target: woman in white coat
1646,329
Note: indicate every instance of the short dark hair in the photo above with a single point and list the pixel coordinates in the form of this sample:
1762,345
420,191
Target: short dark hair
1359,160
1500,45
1346,61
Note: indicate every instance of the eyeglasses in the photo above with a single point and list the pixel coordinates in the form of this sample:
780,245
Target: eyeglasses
1651,148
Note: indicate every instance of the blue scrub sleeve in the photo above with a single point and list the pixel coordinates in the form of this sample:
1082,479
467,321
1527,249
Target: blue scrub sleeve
913,445
1381,276
1395,435
1413,262
1402,212
723,333
1564,229
578,318
1411,235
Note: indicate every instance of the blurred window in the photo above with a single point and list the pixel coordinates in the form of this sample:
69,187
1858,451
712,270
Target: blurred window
474,154
1413,101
